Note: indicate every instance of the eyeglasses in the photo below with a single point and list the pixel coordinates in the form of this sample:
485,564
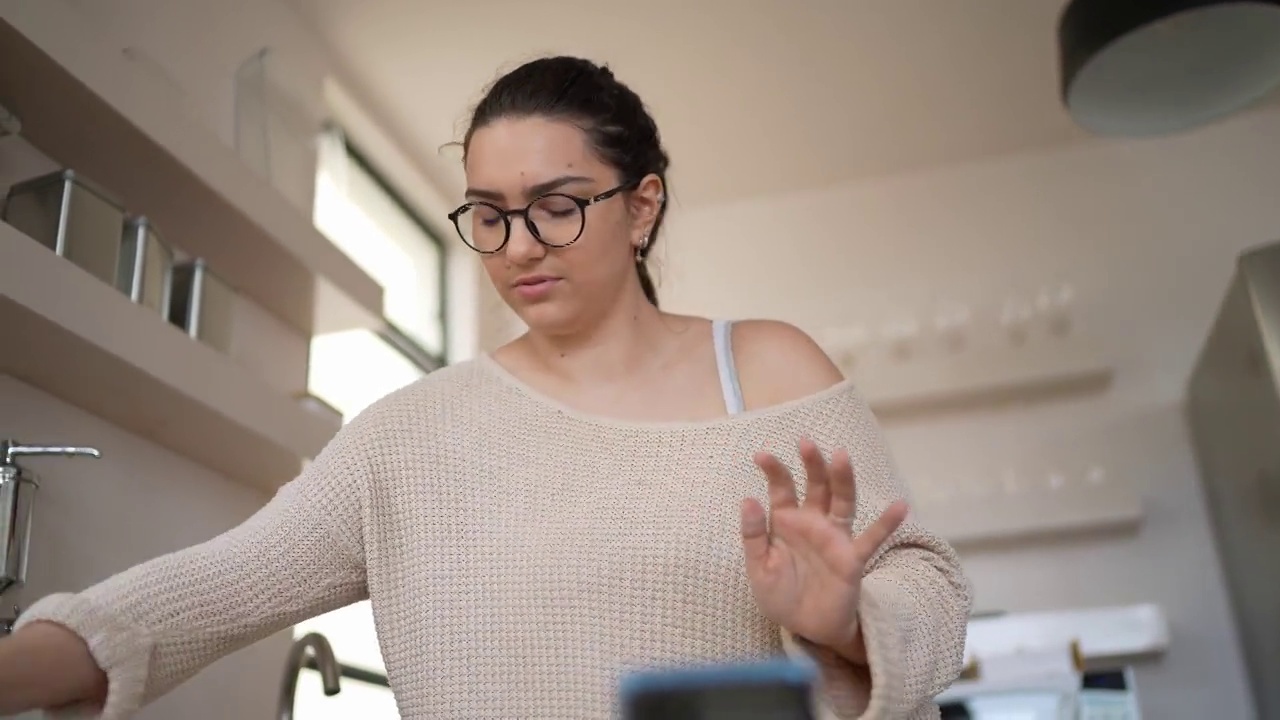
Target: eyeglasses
554,219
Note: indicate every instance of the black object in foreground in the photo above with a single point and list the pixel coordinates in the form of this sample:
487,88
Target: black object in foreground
780,689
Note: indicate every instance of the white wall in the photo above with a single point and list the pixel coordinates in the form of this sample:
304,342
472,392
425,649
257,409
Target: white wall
1147,232
94,518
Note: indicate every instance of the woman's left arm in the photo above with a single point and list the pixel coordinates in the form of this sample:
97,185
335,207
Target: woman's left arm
912,614
914,600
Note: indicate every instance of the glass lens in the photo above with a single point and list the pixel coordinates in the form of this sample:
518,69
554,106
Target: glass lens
557,219
482,227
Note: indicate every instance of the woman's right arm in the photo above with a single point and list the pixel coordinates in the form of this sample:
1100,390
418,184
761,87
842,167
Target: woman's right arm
133,637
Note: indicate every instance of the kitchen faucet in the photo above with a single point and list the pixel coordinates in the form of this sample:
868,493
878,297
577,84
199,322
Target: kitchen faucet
17,495
330,671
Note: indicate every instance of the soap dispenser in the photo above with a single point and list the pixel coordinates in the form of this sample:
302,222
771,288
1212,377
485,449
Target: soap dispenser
17,491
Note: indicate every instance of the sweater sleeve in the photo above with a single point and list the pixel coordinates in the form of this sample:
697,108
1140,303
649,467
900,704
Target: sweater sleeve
915,600
159,623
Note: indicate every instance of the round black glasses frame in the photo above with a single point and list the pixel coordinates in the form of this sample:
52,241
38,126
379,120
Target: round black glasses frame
506,215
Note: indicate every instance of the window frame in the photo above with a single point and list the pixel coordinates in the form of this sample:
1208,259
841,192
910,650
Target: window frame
387,331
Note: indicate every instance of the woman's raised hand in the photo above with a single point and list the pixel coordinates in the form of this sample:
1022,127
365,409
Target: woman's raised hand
804,564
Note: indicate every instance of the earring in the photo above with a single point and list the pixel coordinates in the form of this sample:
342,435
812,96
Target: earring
644,243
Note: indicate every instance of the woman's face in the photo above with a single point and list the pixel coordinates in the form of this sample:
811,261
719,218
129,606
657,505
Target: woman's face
513,162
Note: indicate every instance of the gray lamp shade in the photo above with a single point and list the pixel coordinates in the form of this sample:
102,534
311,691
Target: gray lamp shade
1150,67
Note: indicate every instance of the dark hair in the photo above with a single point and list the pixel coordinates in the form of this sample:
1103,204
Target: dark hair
616,122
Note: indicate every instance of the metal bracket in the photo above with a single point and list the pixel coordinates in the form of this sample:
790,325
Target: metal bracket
6,624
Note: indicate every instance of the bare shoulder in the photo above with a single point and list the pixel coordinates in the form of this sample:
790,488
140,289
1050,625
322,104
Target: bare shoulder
778,362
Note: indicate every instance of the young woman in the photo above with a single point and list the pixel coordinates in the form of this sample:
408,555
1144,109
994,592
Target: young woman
588,499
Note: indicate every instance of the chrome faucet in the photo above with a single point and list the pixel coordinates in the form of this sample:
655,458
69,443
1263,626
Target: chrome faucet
330,671
17,494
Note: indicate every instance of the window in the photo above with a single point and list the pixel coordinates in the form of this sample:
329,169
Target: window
363,216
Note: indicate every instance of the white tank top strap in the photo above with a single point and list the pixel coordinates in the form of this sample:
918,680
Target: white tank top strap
722,333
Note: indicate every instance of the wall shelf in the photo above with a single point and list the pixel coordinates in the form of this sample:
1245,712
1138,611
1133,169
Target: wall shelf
1103,633
81,340
1105,637
985,376
966,356
996,517
84,104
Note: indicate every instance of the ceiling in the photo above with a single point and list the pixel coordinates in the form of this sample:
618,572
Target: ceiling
752,96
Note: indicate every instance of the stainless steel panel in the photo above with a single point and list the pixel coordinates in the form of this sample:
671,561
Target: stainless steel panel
72,217
146,266
17,493
203,305
1233,411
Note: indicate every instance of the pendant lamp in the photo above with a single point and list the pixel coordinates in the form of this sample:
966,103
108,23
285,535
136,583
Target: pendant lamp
1151,67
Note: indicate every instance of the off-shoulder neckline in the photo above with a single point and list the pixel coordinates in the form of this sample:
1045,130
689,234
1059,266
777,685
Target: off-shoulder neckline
488,364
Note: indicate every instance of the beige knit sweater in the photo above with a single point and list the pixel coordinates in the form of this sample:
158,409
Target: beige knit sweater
520,555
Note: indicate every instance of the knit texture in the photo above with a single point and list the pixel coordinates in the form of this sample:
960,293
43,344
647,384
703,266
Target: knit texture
520,556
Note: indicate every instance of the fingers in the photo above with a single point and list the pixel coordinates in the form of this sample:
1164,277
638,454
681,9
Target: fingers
755,533
815,537
867,543
829,488
817,492
844,499
845,556
782,489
